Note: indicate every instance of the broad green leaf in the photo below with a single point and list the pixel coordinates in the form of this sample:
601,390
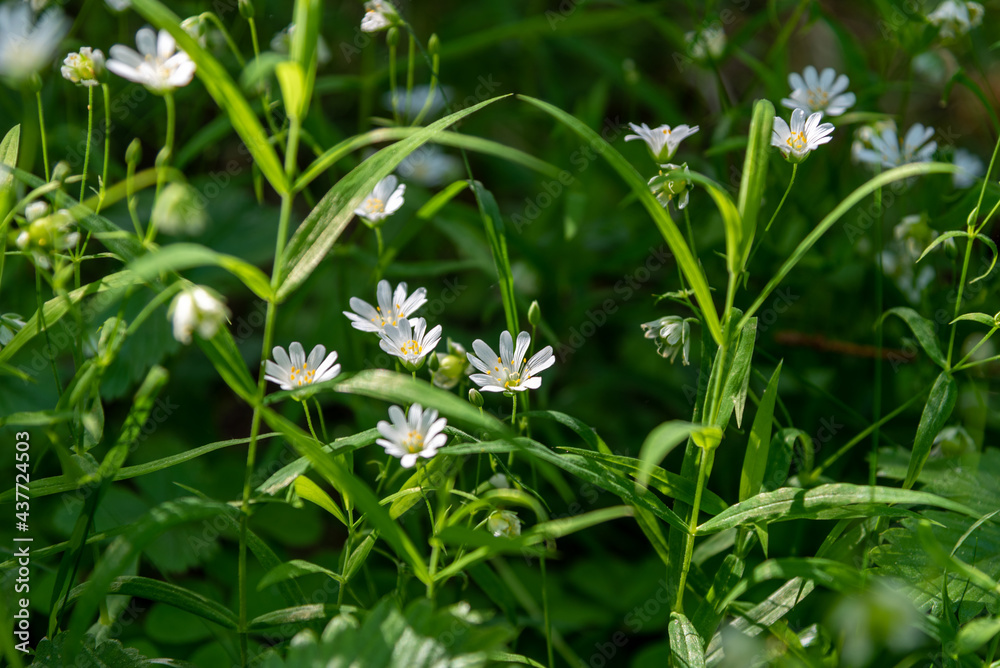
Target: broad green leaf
710,611
737,381
289,473
125,548
223,90
687,649
310,491
754,177
445,138
35,419
493,224
299,614
583,430
977,633
981,318
952,563
755,460
171,594
936,412
358,556
8,161
324,224
779,457
294,568
666,482
181,256
55,308
93,652
564,526
688,263
873,184
832,574
292,81
834,501
923,329
665,438
228,362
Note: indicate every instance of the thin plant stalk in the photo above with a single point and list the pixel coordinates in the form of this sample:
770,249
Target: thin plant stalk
879,286
90,137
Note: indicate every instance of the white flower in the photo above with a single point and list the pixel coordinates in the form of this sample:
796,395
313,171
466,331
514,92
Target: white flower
118,5
672,334
10,324
955,18
418,98
196,309
886,151
392,306
662,142
678,187
379,15
410,341
803,137
823,92
429,166
158,65
383,201
179,210
293,370
27,46
509,373
970,168
84,67
46,234
417,434
707,43
504,523
282,43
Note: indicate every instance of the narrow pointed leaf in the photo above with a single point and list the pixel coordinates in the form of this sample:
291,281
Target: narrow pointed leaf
937,410
755,460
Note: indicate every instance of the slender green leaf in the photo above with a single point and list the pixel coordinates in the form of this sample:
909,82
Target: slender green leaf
827,572
299,614
324,224
223,90
688,263
754,177
687,649
977,633
171,594
961,233
833,501
936,412
495,235
981,318
181,256
734,393
878,181
287,474
923,329
310,491
295,568
755,460
665,438
583,430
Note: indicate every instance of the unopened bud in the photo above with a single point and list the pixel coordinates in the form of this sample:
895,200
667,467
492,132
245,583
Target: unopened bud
475,398
61,171
534,314
133,155
434,45
392,37
246,9
432,362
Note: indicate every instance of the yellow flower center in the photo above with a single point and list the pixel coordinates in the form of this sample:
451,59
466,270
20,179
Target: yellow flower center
303,376
374,205
797,140
411,347
818,98
414,442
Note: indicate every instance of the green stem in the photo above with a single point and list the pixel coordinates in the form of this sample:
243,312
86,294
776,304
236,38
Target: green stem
266,96
704,468
411,58
774,216
107,145
312,430
961,362
961,291
210,16
41,130
322,422
43,328
381,251
877,396
90,137
392,83
165,154
545,614
435,64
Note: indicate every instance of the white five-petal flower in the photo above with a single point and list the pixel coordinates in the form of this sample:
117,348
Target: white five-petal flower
26,45
416,434
157,65
662,142
410,341
379,15
819,92
954,17
392,306
293,369
196,309
84,67
886,150
672,334
383,201
508,372
802,137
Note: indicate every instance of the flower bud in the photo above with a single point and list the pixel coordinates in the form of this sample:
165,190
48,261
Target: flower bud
196,309
61,171
434,45
133,155
392,37
179,210
475,398
246,9
432,361
534,314
504,523
84,68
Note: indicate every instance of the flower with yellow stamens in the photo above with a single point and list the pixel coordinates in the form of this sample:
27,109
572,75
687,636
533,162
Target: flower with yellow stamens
293,369
803,136
510,373
410,341
392,306
413,435
819,92
383,201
